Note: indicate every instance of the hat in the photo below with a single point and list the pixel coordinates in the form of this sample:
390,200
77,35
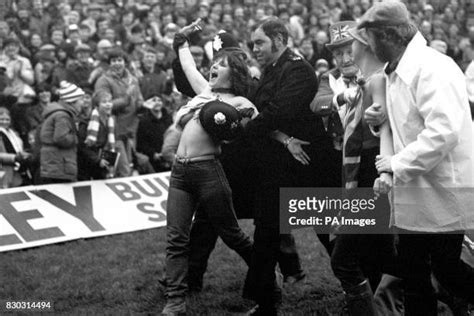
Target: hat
428,7
324,15
171,27
222,40
69,92
10,40
359,34
48,47
104,43
339,34
94,6
44,56
386,13
73,28
321,62
220,120
204,4
82,48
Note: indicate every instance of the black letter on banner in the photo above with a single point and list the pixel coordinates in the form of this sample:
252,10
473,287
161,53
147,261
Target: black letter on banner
156,192
83,209
19,220
143,208
123,191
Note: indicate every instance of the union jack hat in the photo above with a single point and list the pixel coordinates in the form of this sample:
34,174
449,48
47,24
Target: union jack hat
339,34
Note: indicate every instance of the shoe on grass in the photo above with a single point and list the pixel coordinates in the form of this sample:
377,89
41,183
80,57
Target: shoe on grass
295,278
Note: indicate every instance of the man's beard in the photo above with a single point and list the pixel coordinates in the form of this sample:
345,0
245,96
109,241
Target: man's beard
382,51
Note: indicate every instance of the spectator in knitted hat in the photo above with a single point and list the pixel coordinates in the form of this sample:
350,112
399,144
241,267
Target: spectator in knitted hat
58,136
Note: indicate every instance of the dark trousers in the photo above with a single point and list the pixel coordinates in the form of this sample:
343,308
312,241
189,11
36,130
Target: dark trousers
422,254
203,238
260,281
359,257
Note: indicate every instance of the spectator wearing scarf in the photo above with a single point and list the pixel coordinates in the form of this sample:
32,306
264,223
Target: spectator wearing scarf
97,135
11,152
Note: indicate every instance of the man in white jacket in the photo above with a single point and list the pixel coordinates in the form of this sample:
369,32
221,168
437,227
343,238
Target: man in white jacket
428,109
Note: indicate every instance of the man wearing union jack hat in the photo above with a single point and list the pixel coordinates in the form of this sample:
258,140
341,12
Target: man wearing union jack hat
357,260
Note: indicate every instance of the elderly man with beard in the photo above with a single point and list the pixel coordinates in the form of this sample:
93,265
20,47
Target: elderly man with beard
432,165
127,100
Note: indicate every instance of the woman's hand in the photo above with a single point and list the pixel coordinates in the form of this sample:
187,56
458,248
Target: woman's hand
383,184
383,164
296,149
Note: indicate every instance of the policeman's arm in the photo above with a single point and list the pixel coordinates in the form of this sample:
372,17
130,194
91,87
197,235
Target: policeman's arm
296,88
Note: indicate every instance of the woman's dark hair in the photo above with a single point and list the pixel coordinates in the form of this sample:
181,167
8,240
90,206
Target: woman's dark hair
117,53
239,73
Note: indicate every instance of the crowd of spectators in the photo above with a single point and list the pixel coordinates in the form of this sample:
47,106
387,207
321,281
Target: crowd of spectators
120,52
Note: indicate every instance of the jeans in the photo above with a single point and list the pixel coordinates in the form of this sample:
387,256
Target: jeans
198,186
421,254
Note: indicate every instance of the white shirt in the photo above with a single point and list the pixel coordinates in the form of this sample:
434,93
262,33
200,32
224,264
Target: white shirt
429,115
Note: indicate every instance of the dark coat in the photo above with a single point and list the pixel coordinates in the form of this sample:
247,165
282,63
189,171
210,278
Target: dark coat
150,135
154,84
283,96
58,136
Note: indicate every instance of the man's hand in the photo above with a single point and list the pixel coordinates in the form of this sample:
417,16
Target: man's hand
383,164
296,149
374,115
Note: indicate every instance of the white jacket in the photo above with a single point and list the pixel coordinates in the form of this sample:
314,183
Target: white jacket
428,109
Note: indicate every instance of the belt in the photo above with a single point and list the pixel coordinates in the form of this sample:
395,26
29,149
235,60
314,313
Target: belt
185,160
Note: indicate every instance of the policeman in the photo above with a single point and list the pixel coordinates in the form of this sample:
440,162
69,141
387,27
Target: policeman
286,88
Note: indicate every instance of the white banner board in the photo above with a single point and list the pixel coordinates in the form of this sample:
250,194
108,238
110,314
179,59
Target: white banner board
39,215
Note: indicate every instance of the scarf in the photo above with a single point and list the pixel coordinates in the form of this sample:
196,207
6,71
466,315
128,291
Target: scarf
13,138
353,140
93,130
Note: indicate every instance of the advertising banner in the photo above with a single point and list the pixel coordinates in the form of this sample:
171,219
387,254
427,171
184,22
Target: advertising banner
38,215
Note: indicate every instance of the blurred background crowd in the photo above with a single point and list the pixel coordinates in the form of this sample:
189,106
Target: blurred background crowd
46,42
